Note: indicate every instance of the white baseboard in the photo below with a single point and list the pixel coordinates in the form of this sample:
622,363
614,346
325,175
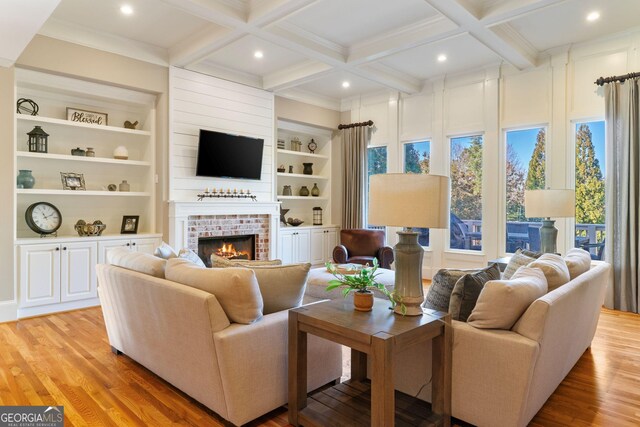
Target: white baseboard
8,311
56,308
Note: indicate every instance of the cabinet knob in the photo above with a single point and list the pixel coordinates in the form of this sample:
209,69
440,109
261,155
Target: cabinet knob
64,248
57,249
128,244
133,244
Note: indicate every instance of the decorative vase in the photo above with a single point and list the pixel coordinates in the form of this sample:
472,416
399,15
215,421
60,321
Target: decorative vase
90,152
25,179
77,152
112,187
363,301
121,153
290,169
124,185
304,191
286,191
315,191
308,168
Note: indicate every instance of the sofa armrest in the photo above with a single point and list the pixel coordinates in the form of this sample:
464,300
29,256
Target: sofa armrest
385,257
253,362
340,254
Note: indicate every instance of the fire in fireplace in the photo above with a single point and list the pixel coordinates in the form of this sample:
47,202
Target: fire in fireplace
230,247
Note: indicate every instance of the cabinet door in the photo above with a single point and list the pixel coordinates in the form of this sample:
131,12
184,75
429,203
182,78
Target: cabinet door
285,247
39,274
147,245
105,246
331,241
318,250
78,271
302,246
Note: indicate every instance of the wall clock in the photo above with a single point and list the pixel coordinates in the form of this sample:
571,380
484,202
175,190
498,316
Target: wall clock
43,218
312,146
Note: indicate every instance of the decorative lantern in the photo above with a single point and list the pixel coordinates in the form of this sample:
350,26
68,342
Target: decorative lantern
38,140
317,216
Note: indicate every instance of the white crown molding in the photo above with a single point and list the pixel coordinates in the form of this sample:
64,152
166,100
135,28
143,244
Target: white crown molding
225,73
88,37
295,75
310,98
307,35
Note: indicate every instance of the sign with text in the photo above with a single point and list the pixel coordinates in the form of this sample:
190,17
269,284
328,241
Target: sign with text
88,117
31,416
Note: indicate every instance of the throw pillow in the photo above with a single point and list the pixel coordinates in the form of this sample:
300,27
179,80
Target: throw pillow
442,284
137,261
467,289
519,259
578,262
502,302
554,269
282,286
165,251
222,262
191,256
236,289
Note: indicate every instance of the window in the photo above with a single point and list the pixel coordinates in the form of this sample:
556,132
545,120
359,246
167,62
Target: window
465,226
525,170
417,159
590,188
376,164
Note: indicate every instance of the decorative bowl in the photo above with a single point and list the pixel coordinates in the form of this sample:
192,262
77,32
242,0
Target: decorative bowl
294,222
94,229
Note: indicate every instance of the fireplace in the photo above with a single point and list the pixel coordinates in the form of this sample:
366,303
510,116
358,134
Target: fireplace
230,247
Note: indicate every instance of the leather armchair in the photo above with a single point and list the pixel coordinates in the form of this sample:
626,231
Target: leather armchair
361,246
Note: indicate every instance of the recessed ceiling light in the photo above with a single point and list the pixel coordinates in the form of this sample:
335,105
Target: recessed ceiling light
258,54
593,16
442,58
126,9
346,84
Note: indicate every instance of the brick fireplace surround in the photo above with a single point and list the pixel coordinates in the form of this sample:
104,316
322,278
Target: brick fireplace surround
190,220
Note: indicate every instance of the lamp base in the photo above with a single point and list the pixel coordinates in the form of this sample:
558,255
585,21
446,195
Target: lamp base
548,236
408,286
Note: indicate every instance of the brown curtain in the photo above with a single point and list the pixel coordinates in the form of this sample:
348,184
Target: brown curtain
622,247
355,141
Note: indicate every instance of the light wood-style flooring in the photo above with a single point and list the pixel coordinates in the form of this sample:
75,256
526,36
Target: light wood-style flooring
65,359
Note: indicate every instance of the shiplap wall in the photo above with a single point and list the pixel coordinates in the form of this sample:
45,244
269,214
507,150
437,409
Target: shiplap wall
199,102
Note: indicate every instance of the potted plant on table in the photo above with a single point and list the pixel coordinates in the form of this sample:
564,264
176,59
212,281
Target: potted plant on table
360,282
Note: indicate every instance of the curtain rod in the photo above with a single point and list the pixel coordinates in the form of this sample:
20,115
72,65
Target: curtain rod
353,125
602,80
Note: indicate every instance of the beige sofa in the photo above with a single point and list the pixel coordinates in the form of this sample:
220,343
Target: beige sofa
503,377
183,335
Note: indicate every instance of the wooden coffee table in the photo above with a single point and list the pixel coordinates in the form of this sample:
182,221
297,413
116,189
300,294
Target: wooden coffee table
378,334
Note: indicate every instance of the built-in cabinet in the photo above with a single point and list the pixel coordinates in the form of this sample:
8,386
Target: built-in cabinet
306,244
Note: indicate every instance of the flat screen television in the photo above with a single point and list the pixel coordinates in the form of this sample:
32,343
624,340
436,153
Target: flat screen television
222,155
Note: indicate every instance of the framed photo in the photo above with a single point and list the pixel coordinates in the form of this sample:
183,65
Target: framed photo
89,117
72,181
130,224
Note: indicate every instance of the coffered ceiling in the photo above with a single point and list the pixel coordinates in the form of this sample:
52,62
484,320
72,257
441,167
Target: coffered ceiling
311,47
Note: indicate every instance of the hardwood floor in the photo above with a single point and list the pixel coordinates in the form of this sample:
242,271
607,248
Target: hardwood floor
65,359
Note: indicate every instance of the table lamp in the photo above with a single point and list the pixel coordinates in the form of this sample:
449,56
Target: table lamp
558,203
409,200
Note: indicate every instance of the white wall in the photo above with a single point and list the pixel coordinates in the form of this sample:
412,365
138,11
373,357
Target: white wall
490,101
199,102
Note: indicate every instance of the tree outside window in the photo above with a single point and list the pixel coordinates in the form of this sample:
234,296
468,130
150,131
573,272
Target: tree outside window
417,159
466,193
376,164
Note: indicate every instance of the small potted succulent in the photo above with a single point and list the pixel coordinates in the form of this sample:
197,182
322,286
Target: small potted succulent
360,282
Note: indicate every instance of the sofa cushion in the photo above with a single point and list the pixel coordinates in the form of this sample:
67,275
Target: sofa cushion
165,251
467,289
236,289
191,256
222,262
578,261
502,302
554,269
519,259
282,286
137,261
442,283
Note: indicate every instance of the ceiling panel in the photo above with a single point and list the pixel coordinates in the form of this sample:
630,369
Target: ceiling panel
464,53
350,22
239,56
152,22
566,23
331,85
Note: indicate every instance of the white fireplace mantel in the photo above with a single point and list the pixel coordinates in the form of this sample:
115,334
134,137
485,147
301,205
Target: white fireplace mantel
179,213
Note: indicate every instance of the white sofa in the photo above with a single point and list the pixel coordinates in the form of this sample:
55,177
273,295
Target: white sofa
503,377
184,336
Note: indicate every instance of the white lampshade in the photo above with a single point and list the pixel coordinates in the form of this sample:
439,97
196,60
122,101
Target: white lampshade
550,203
409,200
